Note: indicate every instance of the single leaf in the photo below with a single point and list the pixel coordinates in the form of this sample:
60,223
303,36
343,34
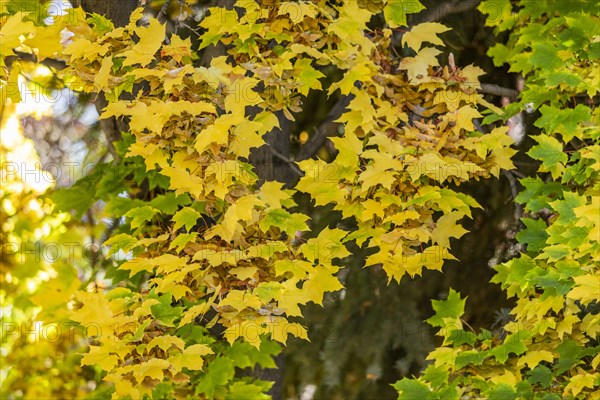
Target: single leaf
395,11
425,32
186,216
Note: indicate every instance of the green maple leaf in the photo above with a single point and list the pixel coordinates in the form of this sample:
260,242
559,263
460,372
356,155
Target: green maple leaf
453,307
565,121
556,252
570,353
470,357
246,391
169,203
534,235
186,216
308,76
164,311
545,56
513,343
282,219
182,240
395,11
516,271
122,241
220,371
500,54
75,198
541,375
537,193
549,151
100,23
121,205
565,207
438,376
245,355
409,389
502,392
563,77
140,215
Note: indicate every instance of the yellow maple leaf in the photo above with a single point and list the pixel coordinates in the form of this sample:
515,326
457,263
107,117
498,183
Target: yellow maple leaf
46,41
246,136
374,175
464,118
99,356
151,39
446,227
292,297
239,300
273,194
472,73
371,208
425,32
95,310
417,67
241,210
190,357
165,343
280,328
319,281
123,387
167,263
218,132
153,368
507,378
174,77
12,31
580,381
587,289
178,48
150,152
297,11
184,182
137,265
360,72
101,77
249,330
534,357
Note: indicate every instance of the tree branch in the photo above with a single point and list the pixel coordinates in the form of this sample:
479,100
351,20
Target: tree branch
496,90
447,8
162,14
283,158
48,62
328,128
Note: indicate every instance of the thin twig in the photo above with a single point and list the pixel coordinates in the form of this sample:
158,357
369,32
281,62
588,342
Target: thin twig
467,324
163,10
515,192
283,158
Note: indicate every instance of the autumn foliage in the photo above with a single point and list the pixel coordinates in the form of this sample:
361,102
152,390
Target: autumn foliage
208,265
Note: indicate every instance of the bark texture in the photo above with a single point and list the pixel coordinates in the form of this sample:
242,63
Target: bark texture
118,11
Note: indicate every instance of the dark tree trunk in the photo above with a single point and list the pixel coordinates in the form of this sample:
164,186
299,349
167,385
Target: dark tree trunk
118,11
